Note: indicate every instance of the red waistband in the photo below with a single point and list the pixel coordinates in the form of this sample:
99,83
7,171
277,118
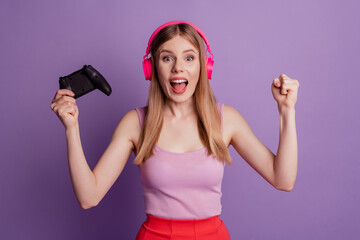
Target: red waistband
155,218
165,225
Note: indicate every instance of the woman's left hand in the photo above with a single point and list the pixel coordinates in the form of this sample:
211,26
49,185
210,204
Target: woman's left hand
285,91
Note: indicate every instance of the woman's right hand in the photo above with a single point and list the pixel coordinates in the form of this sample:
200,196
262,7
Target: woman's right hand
64,106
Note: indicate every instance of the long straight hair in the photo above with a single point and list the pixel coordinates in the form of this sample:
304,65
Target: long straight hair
209,119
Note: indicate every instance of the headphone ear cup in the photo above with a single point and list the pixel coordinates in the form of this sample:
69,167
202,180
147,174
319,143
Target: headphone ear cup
209,66
147,69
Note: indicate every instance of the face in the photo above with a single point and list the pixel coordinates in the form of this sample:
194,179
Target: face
178,68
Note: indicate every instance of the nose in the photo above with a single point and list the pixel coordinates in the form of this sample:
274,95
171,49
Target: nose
177,67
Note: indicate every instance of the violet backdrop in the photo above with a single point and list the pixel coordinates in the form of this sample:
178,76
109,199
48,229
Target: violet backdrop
315,42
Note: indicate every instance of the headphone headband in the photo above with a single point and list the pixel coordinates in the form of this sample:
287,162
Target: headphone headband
178,22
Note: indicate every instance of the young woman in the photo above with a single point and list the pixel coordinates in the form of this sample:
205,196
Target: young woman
181,141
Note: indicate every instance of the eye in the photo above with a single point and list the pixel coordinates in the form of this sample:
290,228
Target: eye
189,58
167,59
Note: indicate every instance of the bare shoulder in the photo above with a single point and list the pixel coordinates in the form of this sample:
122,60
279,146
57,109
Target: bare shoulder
231,115
229,109
233,123
131,117
128,127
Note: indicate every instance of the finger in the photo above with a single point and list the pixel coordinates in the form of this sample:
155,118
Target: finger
277,82
63,104
284,90
67,104
65,112
286,80
71,110
289,86
283,76
62,99
66,92
295,82
68,99
76,111
292,87
63,92
289,80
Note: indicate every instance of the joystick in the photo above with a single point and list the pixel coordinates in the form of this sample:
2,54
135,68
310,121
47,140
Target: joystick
84,81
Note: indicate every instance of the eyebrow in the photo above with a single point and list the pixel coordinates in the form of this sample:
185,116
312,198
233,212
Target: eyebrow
168,51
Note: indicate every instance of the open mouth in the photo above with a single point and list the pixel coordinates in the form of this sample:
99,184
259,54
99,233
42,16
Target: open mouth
179,85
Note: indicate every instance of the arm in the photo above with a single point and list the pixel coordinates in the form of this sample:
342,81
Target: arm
286,159
91,186
280,170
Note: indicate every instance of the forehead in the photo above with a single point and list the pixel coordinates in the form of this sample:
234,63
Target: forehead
177,44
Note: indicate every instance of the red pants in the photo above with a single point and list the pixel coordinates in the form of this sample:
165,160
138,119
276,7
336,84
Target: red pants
155,228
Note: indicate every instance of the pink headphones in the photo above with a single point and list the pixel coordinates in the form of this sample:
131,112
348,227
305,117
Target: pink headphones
147,62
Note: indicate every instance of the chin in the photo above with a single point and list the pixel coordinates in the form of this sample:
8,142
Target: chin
181,99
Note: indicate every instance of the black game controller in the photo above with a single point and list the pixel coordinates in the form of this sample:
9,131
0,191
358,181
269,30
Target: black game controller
84,81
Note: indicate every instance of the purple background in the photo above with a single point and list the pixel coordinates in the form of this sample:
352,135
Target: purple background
315,42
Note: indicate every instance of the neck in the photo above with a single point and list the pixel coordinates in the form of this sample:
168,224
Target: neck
179,109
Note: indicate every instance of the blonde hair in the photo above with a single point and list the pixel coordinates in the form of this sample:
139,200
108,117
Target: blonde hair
209,120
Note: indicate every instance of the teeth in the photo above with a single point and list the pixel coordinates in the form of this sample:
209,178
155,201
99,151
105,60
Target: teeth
178,81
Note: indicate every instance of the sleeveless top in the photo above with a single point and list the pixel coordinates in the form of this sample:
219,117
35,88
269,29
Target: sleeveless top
181,185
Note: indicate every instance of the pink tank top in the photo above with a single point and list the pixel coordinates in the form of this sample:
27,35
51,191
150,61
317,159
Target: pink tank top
181,185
